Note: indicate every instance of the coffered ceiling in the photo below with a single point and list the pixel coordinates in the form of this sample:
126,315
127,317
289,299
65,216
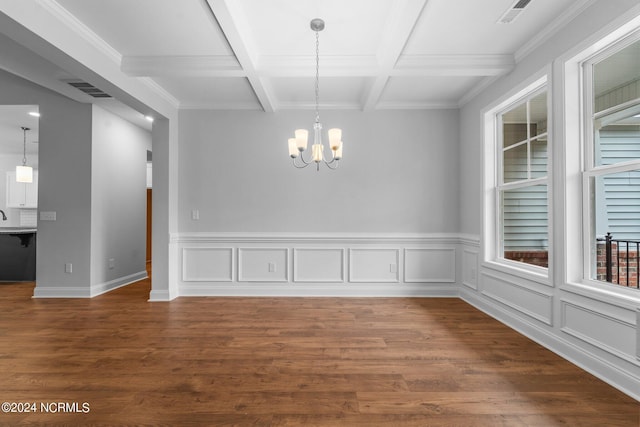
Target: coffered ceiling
259,54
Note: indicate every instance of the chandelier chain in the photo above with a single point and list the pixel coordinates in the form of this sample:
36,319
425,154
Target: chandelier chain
24,146
317,76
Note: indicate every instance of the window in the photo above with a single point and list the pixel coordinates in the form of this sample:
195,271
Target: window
611,177
521,190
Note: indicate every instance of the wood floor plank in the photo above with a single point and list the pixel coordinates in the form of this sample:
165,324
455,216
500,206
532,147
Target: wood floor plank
286,362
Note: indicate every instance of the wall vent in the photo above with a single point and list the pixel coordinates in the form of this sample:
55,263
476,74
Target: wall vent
513,12
89,89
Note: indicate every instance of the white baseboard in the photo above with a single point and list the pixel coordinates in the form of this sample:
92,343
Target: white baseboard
606,371
86,292
354,290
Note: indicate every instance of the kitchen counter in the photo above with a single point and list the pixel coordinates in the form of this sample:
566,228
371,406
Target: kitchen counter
17,230
17,254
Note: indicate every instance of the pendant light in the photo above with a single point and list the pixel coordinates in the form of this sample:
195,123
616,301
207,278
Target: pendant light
298,145
24,173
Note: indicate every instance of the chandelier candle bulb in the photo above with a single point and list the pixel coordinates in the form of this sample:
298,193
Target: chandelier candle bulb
338,152
317,152
335,137
293,148
302,136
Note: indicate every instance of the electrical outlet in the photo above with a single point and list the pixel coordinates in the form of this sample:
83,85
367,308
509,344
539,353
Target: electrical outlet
195,214
47,216
112,263
272,267
68,268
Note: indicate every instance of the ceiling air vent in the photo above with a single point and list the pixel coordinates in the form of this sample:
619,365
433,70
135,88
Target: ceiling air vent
89,89
513,12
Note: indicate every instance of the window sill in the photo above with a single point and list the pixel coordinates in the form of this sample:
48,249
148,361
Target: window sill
521,270
628,298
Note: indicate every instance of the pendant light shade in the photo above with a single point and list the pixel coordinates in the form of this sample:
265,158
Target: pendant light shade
24,173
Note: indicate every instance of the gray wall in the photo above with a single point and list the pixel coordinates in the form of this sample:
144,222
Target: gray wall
64,181
399,173
117,209
118,203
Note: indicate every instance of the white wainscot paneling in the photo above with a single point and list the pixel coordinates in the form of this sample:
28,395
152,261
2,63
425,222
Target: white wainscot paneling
263,265
374,265
519,295
470,268
207,264
589,324
318,265
430,265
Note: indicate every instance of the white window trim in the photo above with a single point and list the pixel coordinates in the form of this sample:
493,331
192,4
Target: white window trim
577,127
492,167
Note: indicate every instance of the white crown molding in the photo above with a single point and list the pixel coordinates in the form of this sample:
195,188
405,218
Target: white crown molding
188,66
453,65
476,90
220,106
426,105
84,32
159,90
573,10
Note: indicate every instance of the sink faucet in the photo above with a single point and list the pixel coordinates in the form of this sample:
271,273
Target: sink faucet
4,217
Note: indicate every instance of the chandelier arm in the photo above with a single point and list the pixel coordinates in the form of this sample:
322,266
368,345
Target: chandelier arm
334,162
303,160
304,165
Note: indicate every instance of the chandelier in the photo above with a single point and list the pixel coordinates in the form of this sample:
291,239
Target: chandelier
298,145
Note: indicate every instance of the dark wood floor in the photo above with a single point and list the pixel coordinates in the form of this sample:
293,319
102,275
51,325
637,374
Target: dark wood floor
286,362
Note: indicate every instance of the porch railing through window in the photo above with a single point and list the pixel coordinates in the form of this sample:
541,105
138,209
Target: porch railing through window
618,261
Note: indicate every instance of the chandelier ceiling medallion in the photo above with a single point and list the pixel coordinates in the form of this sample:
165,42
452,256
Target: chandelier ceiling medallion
298,145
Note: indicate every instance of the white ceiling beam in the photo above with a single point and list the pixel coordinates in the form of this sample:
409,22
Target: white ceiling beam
59,37
398,29
182,66
237,31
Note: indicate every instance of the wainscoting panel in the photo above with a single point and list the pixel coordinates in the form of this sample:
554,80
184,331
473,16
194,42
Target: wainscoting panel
318,265
430,265
374,265
596,328
519,295
263,265
470,267
207,264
